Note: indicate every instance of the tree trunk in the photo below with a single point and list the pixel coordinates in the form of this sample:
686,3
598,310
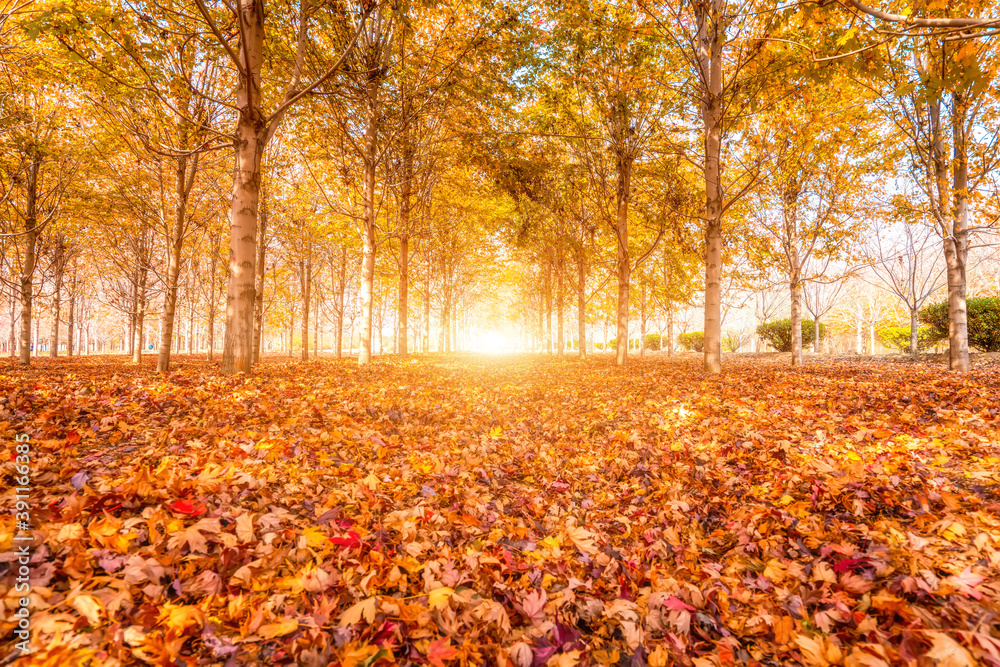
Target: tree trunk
859,341
191,305
28,266
140,315
59,262
561,342
316,321
402,342
790,214
212,301
623,194
670,332
368,231
12,340
71,324
175,242
260,268
305,279
710,60
251,137
642,318
341,289
816,339
914,330
581,306
548,307
427,304
956,245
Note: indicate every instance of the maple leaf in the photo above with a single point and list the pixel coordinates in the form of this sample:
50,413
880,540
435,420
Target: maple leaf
439,597
349,541
966,583
439,651
946,652
583,539
283,627
89,607
365,608
194,536
533,604
187,508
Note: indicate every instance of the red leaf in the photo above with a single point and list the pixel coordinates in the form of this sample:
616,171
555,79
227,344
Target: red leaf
186,507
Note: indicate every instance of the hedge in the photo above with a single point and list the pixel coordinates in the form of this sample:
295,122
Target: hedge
779,333
984,322
694,341
899,338
653,341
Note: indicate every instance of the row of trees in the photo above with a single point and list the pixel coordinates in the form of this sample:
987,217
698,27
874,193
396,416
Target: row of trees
520,163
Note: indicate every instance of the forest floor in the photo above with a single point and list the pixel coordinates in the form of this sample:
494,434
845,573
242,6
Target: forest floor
467,510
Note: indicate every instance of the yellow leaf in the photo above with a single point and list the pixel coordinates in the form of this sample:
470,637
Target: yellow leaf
583,539
439,597
363,608
371,481
181,617
948,652
89,607
244,527
953,532
281,628
854,456
315,537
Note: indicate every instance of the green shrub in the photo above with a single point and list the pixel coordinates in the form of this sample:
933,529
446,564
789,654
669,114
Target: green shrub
598,346
613,344
779,333
899,338
653,341
693,341
731,343
984,322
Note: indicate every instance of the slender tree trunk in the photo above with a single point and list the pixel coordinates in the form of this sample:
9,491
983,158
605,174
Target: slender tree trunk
368,231
956,245
559,303
251,137
790,214
316,321
260,268
12,340
212,301
642,318
341,289
581,305
859,342
670,332
623,195
305,278
914,331
548,307
191,306
710,42
71,324
816,339
59,263
402,343
28,266
140,314
427,304
175,242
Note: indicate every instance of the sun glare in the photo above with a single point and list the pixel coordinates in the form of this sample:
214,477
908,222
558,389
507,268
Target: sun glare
494,342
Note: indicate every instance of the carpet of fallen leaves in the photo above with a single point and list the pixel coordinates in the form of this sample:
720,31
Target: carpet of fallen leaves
507,511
